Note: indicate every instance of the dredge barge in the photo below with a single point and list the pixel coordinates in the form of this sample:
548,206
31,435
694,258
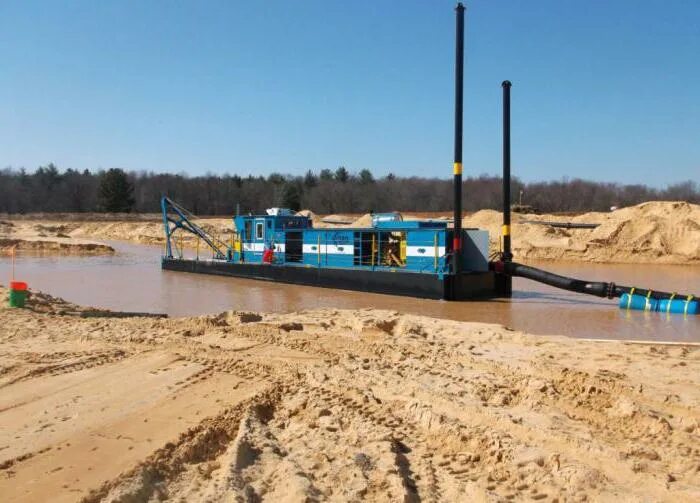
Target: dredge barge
413,258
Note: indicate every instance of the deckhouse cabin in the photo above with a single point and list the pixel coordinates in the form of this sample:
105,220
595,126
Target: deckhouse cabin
390,244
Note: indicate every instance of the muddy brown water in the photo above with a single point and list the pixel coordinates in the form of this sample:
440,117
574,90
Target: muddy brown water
131,280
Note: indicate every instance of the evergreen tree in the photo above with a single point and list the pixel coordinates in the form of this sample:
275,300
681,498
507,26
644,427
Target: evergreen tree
310,179
366,177
341,174
292,196
115,192
276,178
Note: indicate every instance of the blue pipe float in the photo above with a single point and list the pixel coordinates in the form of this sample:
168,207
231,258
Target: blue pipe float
679,305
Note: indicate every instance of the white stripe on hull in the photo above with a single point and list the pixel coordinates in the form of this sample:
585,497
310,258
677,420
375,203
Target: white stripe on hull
254,247
424,251
329,249
260,247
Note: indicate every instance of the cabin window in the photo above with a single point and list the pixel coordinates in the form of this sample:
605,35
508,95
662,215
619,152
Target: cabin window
248,231
259,230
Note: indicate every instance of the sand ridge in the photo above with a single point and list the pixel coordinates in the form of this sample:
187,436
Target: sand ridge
334,405
653,232
37,238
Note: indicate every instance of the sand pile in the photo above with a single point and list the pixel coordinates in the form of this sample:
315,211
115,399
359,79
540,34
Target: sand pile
138,232
308,213
34,238
363,222
56,246
149,232
326,221
653,232
335,405
75,236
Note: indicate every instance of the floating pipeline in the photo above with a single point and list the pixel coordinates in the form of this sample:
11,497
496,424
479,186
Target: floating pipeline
630,297
687,305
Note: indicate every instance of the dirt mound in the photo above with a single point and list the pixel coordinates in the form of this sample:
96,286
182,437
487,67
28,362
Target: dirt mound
307,213
54,246
50,237
326,221
363,222
653,232
138,232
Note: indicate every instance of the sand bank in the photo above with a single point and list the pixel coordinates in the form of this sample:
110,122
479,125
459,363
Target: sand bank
336,405
34,238
654,232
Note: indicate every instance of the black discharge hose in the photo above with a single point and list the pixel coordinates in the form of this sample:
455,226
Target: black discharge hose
597,288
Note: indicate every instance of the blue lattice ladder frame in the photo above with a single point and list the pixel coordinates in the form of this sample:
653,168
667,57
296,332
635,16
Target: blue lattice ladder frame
180,220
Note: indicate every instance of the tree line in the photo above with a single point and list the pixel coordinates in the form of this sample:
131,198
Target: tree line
48,189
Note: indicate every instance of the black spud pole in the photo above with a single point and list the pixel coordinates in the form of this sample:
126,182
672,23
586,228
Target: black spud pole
507,254
459,84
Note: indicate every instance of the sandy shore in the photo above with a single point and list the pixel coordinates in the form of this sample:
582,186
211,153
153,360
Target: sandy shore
653,232
336,406
46,238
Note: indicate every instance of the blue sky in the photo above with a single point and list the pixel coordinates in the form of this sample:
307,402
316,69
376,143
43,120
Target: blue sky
604,90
